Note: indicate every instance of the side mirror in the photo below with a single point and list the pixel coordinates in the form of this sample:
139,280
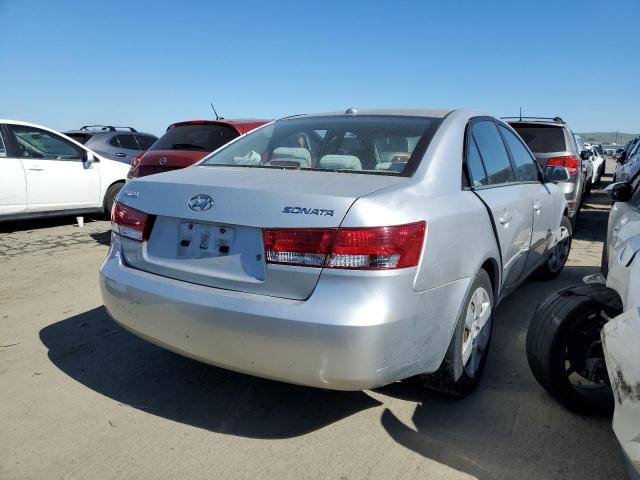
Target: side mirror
585,154
89,158
556,174
620,192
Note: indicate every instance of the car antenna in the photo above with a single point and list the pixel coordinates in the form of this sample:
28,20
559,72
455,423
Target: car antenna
520,113
214,111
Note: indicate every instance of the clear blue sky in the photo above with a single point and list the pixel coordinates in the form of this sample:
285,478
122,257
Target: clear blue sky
148,64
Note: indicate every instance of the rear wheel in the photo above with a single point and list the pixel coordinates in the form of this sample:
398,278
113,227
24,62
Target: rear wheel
559,253
564,350
465,359
110,198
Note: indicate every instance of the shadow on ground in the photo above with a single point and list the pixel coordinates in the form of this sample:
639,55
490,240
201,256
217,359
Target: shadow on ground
92,349
41,223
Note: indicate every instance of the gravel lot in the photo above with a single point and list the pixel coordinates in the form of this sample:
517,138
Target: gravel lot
82,398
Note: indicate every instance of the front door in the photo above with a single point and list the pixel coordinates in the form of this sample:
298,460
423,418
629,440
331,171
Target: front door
13,185
57,176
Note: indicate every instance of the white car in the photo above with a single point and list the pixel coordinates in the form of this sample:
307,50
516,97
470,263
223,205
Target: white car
44,173
583,342
598,163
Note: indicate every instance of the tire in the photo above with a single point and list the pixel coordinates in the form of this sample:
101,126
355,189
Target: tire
558,256
457,375
110,197
561,329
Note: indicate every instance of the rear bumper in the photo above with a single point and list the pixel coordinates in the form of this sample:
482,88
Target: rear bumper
353,333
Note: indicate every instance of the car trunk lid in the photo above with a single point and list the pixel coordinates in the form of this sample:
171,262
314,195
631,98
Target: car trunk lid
221,245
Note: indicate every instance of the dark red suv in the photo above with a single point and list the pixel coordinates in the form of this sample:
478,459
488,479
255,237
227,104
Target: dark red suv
185,143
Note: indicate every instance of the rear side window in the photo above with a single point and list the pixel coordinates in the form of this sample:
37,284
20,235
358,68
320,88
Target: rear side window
526,170
206,138
493,153
145,141
542,139
128,142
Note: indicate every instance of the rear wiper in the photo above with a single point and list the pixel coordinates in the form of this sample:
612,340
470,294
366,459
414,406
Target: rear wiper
180,146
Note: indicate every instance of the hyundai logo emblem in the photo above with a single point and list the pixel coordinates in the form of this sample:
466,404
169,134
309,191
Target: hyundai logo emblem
200,203
162,161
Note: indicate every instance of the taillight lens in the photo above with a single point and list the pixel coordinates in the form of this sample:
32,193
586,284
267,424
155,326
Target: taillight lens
306,247
133,171
376,248
570,162
130,223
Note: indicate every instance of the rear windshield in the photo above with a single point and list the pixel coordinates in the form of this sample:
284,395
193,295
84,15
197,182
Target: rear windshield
542,139
206,138
388,145
80,137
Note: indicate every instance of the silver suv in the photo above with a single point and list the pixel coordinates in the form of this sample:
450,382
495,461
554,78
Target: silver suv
554,144
117,143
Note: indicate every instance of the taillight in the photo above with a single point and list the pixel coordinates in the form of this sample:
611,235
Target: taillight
369,248
133,171
570,162
130,223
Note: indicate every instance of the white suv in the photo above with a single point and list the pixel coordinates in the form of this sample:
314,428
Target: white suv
44,173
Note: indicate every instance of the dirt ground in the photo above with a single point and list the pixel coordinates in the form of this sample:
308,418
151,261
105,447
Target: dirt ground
81,398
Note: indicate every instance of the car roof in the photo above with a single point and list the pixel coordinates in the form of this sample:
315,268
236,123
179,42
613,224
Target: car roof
241,125
405,112
104,132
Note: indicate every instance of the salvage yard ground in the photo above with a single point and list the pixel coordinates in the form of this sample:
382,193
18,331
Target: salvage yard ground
82,398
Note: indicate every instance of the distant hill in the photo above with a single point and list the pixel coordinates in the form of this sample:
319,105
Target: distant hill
608,137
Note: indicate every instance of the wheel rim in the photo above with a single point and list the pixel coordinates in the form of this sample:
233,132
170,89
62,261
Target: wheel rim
584,361
477,330
560,253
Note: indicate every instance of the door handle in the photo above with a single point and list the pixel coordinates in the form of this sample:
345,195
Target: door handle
537,207
120,154
36,168
505,218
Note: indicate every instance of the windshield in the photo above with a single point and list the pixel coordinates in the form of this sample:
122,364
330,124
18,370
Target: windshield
391,145
200,137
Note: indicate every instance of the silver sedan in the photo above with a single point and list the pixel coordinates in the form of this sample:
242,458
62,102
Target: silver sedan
343,251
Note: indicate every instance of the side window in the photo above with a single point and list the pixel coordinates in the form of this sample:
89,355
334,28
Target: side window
35,143
145,141
115,142
3,148
526,170
635,200
493,153
128,142
474,164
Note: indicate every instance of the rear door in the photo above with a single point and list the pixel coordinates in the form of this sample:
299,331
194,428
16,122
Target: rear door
508,201
13,184
57,177
546,211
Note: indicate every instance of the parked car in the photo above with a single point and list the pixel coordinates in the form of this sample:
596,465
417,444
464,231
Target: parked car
44,173
582,343
185,143
342,251
116,143
588,167
628,163
597,160
553,144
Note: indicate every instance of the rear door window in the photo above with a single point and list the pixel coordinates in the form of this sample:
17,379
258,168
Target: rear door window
493,152
128,142
474,165
541,139
3,148
145,141
523,162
